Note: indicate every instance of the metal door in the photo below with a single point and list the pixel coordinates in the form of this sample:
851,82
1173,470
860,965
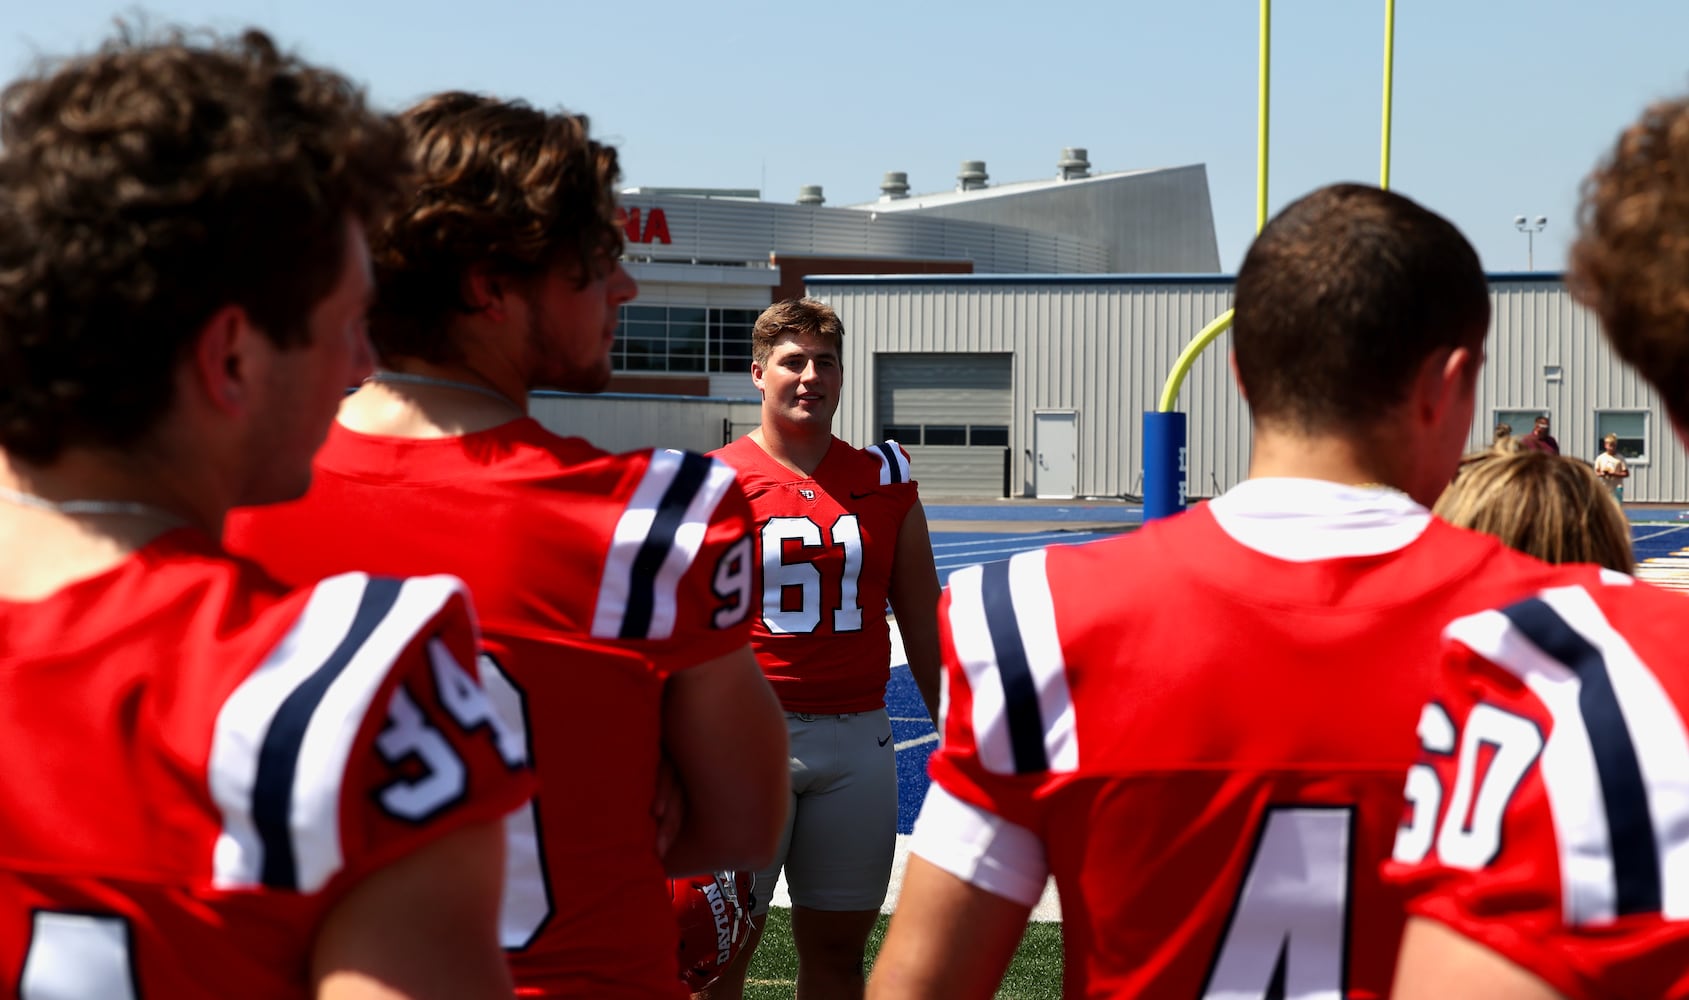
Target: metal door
1055,454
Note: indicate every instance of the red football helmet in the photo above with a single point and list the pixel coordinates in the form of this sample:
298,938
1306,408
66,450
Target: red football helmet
713,913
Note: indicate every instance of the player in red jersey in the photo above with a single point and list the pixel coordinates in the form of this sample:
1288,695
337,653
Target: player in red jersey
1546,837
840,531
1196,728
613,589
217,787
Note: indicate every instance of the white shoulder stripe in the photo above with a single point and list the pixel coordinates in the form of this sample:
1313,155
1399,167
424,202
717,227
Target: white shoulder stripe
1569,766
656,539
1033,665
1036,611
894,464
243,731
688,541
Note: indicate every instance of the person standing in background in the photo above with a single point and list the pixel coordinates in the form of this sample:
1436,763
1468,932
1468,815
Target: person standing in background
1610,467
1539,439
840,532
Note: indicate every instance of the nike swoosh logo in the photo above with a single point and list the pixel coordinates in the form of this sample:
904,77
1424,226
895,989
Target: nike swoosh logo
886,740
860,496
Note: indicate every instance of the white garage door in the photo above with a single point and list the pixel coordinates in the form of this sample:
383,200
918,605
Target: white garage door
952,412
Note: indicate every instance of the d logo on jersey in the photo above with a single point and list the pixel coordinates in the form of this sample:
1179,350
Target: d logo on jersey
807,494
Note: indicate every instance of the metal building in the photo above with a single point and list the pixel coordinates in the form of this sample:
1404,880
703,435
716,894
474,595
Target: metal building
1036,386
709,260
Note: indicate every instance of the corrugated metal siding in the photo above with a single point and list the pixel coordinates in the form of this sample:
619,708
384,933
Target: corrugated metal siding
1537,324
724,230
1149,222
1101,349
1104,348
949,388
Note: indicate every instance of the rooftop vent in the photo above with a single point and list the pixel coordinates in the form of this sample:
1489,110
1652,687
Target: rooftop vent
810,194
1073,164
972,176
894,185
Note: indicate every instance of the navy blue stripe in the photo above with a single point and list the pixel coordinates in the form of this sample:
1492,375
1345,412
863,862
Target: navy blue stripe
1020,694
896,471
1636,864
278,757
670,515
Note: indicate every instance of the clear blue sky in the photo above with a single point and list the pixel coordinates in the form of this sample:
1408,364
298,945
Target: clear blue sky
1501,106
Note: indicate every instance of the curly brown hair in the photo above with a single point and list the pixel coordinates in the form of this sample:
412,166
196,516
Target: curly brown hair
502,186
148,185
1341,299
1630,261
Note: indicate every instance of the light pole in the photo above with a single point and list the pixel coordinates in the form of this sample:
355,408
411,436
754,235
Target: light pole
1530,227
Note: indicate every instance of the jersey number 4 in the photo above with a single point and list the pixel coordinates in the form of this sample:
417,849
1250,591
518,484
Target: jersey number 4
1288,930
76,955
778,575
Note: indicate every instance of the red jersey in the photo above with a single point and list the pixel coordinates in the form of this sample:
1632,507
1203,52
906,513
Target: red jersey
205,762
1205,739
1548,816
825,548
595,576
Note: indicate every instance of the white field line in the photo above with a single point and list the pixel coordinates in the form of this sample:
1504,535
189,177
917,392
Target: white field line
1671,530
1012,539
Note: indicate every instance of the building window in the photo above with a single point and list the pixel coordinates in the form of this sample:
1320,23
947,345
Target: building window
682,339
954,435
1520,420
1631,426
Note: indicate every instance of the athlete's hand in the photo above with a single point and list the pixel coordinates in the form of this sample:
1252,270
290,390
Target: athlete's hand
668,806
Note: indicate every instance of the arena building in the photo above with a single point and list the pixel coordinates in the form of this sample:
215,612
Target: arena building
709,260
1011,336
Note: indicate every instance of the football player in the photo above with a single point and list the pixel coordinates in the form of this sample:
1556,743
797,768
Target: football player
614,590
1547,824
1200,729
839,532
217,786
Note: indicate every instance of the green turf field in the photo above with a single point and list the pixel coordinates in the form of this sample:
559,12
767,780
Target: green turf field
1035,973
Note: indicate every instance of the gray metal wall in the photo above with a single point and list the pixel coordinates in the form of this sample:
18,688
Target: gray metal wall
1150,221
625,421
1103,345
725,230
1537,326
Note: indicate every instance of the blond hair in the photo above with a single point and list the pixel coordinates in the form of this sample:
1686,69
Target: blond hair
1549,506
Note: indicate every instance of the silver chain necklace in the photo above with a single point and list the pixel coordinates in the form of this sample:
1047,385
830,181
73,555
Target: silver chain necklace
406,378
83,508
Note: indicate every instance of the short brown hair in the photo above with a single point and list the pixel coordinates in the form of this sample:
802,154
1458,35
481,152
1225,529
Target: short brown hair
502,185
148,185
1340,300
1549,506
796,317
1630,261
